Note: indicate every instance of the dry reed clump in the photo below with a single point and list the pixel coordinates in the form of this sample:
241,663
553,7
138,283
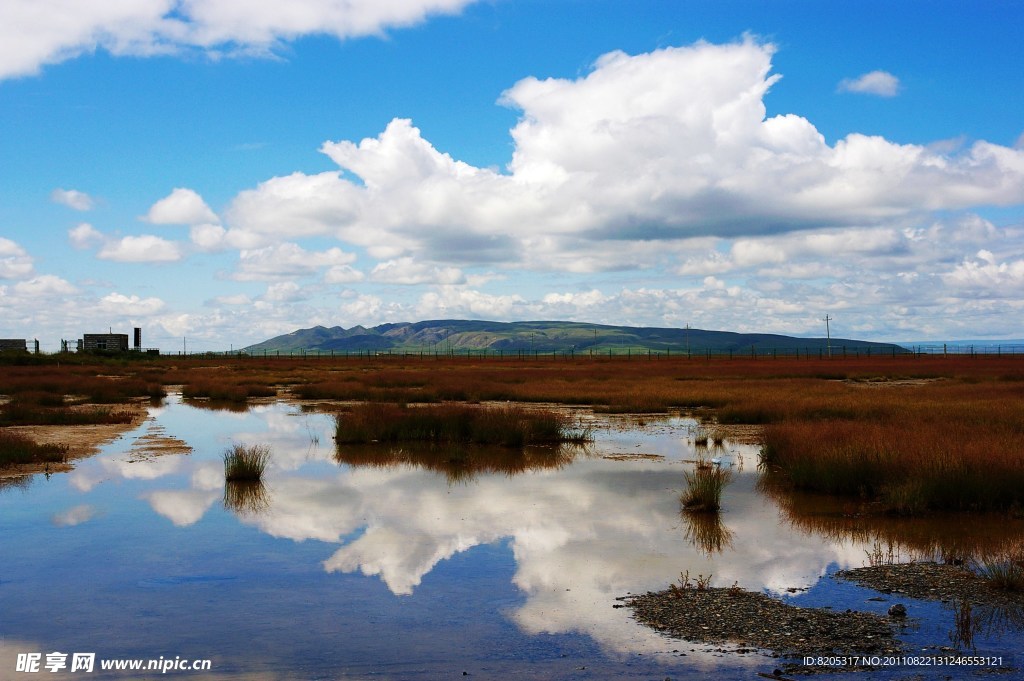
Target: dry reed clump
940,463
57,385
17,449
507,426
226,390
704,486
19,413
245,463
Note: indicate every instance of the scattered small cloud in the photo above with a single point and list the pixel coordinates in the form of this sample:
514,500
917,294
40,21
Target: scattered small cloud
72,198
880,83
84,236
182,206
15,263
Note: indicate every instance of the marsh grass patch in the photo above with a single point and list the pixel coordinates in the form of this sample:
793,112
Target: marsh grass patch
17,449
245,463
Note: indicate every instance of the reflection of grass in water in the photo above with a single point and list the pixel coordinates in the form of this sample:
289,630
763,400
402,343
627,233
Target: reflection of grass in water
1004,570
941,537
461,463
22,482
219,405
246,497
969,620
511,426
704,487
245,463
966,625
707,532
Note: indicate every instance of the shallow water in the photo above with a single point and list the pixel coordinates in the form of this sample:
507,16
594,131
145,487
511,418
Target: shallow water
403,570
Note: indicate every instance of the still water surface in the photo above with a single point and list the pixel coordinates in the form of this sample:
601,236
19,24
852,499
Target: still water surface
344,567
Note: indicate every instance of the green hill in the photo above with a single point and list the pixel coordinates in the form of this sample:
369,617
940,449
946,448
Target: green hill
462,336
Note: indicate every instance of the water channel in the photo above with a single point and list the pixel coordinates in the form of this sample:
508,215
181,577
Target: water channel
356,564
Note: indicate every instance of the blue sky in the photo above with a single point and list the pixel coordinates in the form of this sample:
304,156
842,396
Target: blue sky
227,171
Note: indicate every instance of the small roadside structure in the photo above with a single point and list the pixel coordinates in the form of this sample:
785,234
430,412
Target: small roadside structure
13,345
103,342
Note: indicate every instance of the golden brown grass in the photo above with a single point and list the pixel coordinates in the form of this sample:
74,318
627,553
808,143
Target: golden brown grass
916,433
508,426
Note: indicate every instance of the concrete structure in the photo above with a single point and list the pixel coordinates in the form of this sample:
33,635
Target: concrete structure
13,345
109,342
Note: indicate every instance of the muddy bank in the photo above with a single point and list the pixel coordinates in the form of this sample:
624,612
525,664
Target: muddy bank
81,440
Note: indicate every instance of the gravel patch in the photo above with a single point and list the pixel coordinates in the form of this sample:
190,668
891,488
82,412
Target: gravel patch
747,619
933,582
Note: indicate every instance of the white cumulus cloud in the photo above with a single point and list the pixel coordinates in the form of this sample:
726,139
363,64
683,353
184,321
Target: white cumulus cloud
616,168
182,206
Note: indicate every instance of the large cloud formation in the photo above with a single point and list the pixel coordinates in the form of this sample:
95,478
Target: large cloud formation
658,147
34,33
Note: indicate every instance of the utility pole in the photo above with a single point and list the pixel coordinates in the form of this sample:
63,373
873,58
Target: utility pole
828,336
687,341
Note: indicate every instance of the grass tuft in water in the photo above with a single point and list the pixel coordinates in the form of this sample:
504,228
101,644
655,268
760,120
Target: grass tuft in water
245,463
1003,571
704,487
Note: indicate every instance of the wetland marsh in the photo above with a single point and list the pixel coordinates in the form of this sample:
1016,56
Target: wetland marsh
412,560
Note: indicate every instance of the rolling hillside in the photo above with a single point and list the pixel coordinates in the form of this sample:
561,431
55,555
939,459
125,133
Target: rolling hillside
460,336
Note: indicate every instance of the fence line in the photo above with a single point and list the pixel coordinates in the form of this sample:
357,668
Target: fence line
837,352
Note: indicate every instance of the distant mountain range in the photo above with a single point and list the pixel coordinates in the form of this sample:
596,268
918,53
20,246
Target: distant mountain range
459,336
